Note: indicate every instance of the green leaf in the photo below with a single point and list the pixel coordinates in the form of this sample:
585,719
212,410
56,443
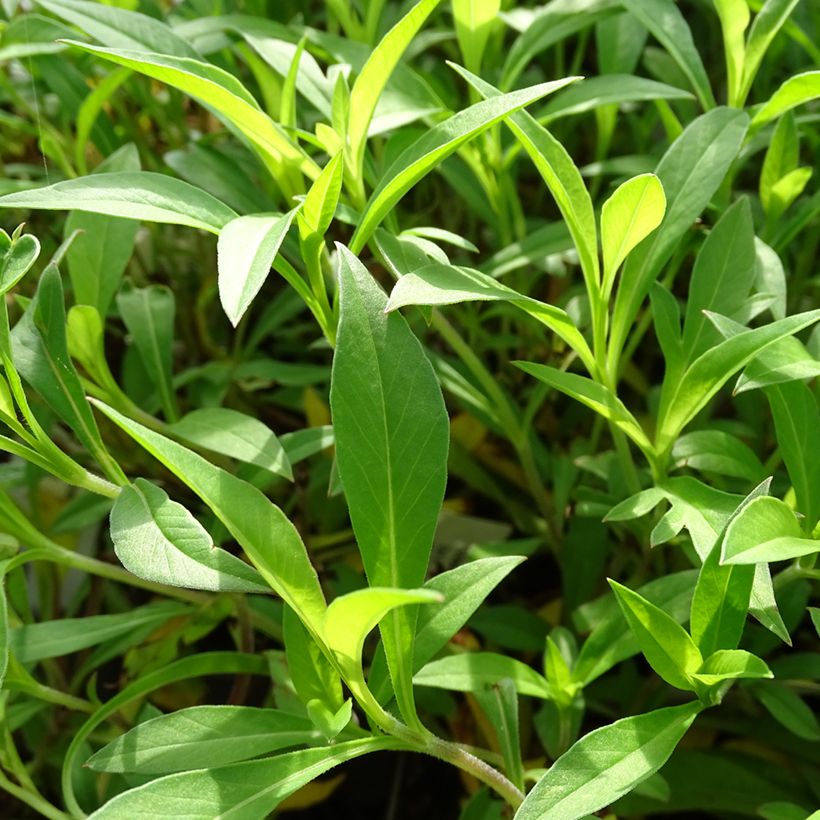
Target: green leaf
86,344
669,27
782,157
40,354
4,625
120,27
720,604
434,146
149,313
251,518
731,664
682,401
320,203
463,589
187,668
549,26
784,361
159,540
438,284
663,641
53,639
613,641
763,604
794,408
593,395
236,435
795,91
140,195
634,210
202,737
714,451
374,76
240,790
722,277
16,259
98,256
690,172
314,677
768,21
472,671
789,709
607,763
222,93
766,530
350,618
562,177
245,251
473,21
734,19
392,460
499,701
608,89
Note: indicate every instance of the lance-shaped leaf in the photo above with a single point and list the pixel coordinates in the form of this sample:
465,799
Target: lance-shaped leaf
734,18
53,639
612,641
722,595
321,200
607,764
794,408
314,677
159,540
766,530
202,737
374,76
473,22
40,354
768,21
561,176
795,91
392,439
721,278
439,284
607,89
593,395
98,256
149,314
350,618
4,626
634,210
472,671
690,173
240,790
120,28
236,435
669,26
245,252
663,641
259,526
435,145
221,92
682,401
500,704
463,589
137,195
731,664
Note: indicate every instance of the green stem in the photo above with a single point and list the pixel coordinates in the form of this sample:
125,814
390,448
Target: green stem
33,799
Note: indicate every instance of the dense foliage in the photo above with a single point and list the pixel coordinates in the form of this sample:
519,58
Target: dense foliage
400,378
